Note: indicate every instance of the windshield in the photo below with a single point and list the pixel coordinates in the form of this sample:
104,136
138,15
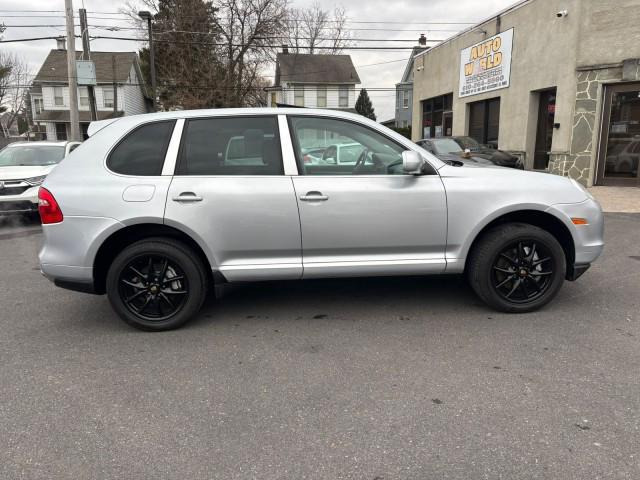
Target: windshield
446,145
468,142
31,156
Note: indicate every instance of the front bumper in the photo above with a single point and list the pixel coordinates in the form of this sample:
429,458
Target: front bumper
25,202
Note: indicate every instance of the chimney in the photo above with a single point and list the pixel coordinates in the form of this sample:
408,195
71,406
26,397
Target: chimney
285,49
61,43
422,41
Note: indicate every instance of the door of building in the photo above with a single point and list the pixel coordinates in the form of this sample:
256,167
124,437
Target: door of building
544,133
484,121
619,152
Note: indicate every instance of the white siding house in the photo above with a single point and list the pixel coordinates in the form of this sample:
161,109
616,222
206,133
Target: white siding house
50,91
314,81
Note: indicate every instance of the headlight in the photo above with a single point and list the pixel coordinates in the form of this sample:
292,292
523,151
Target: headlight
34,181
581,187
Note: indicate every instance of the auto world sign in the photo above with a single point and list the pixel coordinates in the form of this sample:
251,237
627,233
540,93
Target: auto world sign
486,66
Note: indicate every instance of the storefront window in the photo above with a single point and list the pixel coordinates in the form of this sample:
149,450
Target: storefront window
437,117
484,121
619,157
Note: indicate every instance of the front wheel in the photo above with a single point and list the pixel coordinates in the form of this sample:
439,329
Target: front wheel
156,284
517,267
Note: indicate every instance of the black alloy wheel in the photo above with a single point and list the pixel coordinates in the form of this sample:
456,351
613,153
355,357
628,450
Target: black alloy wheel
523,271
153,287
157,284
516,267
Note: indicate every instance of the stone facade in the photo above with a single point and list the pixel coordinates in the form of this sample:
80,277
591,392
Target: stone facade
580,161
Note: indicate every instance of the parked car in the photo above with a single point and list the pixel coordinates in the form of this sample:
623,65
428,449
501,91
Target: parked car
455,147
489,152
164,217
342,154
23,167
449,151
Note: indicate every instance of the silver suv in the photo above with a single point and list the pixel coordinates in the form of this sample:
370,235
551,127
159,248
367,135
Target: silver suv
154,209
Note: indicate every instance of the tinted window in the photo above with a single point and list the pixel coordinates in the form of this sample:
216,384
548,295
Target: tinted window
142,152
349,148
231,146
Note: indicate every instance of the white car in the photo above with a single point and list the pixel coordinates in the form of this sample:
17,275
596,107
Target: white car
23,167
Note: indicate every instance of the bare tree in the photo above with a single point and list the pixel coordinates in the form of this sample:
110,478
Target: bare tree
315,30
248,29
14,85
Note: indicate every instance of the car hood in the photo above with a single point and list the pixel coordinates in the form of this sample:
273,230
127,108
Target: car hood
18,173
473,161
499,183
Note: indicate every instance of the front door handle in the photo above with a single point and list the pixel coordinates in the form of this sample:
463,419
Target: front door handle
186,197
314,197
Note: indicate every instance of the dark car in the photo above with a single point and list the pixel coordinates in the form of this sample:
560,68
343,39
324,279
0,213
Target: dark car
498,157
449,151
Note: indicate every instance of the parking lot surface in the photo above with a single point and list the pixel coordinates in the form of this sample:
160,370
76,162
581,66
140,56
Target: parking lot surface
388,378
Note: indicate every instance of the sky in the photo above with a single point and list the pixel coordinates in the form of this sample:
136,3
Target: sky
406,16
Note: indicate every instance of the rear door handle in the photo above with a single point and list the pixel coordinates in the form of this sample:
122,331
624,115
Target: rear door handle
186,197
314,197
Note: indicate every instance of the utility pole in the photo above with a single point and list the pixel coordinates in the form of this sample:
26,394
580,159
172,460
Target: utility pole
71,71
145,15
84,29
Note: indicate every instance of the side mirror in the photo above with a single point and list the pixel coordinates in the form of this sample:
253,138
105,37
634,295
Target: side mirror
412,162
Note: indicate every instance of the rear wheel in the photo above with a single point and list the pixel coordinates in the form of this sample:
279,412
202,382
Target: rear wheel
517,267
156,284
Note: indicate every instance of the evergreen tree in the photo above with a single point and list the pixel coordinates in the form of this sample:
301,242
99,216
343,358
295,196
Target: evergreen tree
364,106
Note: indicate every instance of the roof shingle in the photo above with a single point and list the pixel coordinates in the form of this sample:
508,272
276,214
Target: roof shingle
54,68
312,68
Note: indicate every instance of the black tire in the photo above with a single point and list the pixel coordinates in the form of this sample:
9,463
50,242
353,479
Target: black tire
516,257
164,273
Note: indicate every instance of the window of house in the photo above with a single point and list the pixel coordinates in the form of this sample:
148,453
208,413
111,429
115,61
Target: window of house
322,95
83,96
350,148
343,96
298,96
107,97
142,151
61,131
273,99
38,105
58,98
405,100
231,146
399,98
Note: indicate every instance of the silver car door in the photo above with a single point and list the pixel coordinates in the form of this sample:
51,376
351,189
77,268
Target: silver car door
230,193
368,218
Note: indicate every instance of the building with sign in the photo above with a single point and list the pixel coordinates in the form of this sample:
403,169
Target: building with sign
556,82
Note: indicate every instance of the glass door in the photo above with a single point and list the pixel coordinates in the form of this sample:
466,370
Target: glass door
619,152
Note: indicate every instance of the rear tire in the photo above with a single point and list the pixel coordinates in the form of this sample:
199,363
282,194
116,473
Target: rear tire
516,267
156,284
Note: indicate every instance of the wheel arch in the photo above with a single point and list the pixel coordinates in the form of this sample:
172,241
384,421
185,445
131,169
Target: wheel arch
130,234
539,218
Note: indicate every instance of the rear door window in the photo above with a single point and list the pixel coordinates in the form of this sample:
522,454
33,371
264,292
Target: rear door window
231,146
142,152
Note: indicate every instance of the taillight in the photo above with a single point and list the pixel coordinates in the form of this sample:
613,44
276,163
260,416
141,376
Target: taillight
306,159
48,207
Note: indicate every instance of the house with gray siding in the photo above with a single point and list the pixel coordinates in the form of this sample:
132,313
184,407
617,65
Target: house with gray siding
404,89
119,91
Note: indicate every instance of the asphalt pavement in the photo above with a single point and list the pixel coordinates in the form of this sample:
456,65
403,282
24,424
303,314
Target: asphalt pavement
388,378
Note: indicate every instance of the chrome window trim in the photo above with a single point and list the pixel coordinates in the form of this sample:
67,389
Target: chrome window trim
171,157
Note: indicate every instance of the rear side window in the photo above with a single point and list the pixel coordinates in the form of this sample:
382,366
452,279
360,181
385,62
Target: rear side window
142,152
231,146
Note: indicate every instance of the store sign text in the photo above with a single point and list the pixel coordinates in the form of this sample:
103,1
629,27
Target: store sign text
486,66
